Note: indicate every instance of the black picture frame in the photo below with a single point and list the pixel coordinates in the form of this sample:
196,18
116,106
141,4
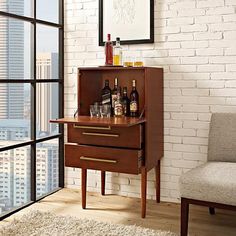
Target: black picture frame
133,41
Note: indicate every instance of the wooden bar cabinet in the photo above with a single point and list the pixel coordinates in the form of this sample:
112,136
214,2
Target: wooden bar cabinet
124,145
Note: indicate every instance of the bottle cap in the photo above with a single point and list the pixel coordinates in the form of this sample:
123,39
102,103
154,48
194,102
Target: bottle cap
109,37
118,39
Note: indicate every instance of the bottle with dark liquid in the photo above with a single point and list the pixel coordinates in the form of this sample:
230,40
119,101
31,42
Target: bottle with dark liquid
106,94
109,51
126,102
134,101
114,95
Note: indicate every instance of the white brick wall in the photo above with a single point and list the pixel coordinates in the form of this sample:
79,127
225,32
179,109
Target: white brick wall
195,43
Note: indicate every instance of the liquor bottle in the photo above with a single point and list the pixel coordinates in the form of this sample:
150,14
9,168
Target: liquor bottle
117,53
114,94
134,100
118,109
126,102
109,51
106,94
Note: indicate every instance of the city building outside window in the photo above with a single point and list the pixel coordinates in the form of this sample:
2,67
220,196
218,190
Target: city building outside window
31,93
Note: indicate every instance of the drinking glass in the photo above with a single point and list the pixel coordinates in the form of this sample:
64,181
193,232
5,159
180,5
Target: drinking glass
138,62
105,110
128,62
95,110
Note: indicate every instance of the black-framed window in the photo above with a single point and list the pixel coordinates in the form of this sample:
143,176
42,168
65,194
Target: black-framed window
31,93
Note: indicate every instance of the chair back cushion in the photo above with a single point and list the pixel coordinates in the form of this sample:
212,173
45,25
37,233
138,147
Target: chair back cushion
222,137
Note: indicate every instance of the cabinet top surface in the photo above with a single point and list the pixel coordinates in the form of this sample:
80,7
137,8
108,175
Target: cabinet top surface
113,121
102,68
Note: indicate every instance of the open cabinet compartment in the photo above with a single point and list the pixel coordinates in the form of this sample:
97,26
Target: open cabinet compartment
91,83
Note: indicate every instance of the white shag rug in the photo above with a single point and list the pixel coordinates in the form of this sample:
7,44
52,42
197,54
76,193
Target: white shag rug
38,223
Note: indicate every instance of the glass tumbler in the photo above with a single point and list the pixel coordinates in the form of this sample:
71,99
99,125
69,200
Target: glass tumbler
138,62
128,62
95,110
105,110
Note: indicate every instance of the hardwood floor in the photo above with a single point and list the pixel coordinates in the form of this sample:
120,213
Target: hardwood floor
123,210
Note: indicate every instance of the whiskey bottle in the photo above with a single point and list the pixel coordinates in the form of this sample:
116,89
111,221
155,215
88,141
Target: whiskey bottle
106,94
117,53
126,102
114,94
109,51
134,100
118,109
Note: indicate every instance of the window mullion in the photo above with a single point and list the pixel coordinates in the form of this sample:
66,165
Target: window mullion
33,111
61,93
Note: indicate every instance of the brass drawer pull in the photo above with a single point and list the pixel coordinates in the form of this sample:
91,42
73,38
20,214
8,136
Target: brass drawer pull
101,134
97,159
92,127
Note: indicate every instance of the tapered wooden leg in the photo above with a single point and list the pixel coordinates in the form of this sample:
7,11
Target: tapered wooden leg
103,180
212,211
158,181
83,186
143,190
184,217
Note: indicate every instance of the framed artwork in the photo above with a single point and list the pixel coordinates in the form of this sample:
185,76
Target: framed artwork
131,20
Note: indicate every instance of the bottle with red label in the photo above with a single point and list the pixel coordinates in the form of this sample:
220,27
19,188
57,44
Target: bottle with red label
109,51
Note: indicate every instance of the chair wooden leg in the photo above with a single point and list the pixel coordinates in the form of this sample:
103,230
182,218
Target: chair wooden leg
83,186
143,191
184,217
158,181
103,180
212,211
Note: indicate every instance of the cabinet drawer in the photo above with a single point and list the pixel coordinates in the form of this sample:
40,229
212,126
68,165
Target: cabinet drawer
130,137
101,158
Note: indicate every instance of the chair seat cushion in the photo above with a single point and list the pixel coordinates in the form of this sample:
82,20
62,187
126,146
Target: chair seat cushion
212,182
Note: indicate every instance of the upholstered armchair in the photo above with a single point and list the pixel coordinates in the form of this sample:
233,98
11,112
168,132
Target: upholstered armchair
213,184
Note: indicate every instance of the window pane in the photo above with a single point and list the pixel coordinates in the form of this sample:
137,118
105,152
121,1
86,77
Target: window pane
47,101
19,7
14,113
47,167
14,178
47,52
49,13
15,50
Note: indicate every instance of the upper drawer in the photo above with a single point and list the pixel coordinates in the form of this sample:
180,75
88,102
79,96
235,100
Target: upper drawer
130,137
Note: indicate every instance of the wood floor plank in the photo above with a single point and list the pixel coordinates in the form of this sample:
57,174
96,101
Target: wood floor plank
123,210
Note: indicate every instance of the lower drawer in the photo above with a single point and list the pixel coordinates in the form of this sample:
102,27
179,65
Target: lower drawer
103,158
